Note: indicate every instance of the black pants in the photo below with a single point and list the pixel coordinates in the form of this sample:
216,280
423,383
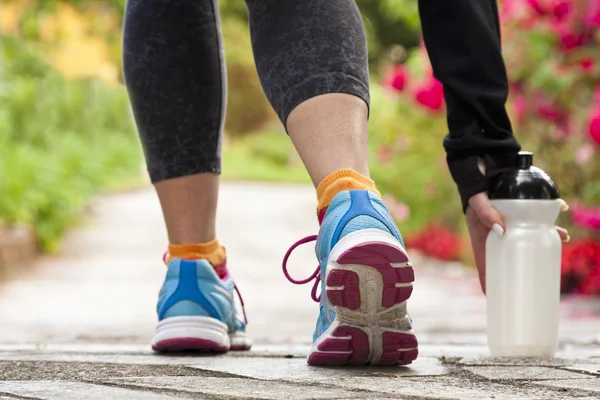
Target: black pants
174,71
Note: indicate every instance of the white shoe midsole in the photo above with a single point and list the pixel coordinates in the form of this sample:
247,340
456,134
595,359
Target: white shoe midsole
204,328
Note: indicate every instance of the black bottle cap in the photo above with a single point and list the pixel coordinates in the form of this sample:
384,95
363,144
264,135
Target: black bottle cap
525,182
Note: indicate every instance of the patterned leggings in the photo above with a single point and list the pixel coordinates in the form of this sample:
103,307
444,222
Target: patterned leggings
174,70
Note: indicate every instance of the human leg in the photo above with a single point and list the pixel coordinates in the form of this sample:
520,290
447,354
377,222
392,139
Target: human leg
312,60
174,72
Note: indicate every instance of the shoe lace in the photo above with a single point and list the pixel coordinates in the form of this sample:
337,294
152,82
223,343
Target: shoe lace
315,275
237,290
241,302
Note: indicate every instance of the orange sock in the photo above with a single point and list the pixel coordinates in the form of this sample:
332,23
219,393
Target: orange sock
338,181
211,251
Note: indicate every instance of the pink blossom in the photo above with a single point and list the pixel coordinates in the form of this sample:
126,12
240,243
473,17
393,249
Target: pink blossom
399,210
403,143
549,112
563,128
396,78
561,9
586,64
547,108
597,95
592,15
431,95
571,36
586,217
385,154
536,5
584,154
594,125
507,9
569,40
520,107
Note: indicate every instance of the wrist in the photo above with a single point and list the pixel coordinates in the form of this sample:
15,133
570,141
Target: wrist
476,173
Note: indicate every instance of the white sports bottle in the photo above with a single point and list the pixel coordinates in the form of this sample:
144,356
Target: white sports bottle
523,265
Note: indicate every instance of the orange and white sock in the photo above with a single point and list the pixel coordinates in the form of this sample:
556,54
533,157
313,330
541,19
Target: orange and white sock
339,181
212,251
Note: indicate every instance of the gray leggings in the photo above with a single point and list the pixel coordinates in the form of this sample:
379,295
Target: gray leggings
174,70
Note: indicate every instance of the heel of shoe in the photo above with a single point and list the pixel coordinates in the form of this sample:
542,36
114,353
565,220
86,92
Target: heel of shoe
202,334
374,249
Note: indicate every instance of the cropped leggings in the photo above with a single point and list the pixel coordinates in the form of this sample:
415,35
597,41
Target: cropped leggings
175,73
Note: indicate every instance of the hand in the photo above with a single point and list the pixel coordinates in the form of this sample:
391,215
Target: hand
481,218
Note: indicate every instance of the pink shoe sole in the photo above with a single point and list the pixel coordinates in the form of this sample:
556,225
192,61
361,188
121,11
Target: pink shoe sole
189,344
349,344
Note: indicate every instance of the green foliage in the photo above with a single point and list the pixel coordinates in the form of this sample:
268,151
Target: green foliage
388,23
267,156
247,107
60,143
414,170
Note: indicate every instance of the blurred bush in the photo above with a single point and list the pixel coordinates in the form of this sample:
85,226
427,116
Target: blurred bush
60,142
551,52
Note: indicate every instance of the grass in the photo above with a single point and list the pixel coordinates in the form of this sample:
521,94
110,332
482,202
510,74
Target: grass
266,157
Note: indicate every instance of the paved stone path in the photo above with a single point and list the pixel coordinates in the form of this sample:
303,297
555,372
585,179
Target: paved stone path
77,325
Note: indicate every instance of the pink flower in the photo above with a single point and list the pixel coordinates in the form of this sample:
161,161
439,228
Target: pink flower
507,9
549,112
520,107
586,64
396,78
563,128
561,9
548,109
587,218
385,154
597,95
399,210
431,95
569,37
592,15
403,143
594,125
537,7
584,154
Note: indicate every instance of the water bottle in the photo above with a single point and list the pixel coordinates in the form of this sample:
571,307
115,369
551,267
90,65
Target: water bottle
523,265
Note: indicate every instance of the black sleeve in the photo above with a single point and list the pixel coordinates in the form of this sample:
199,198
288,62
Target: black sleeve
462,38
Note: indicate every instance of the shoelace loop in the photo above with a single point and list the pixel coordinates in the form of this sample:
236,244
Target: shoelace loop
315,275
241,302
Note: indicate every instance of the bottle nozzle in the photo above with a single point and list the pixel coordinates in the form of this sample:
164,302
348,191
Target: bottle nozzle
524,159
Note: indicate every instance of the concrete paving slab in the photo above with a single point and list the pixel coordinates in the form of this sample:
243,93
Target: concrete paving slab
587,368
241,388
51,390
523,373
299,370
588,385
442,387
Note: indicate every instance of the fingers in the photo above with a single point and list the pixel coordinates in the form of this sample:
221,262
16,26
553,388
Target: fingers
564,234
563,205
478,234
486,213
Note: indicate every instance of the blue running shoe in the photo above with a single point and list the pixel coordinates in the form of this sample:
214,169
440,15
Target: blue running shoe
196,310
366,279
